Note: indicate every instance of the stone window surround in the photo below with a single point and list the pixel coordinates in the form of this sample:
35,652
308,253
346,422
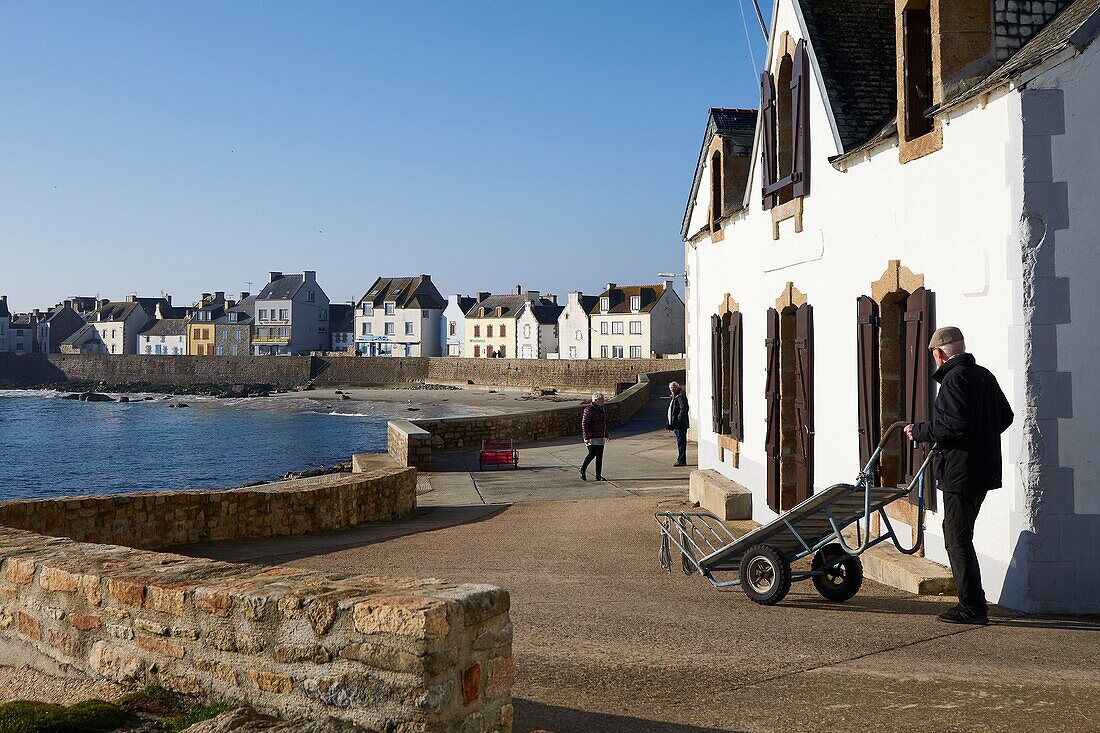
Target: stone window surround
727,443
792,209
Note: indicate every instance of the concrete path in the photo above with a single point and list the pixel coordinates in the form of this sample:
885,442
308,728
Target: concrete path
606,641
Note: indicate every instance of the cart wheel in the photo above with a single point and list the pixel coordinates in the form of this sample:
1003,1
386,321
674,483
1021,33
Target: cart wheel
843,573
765,575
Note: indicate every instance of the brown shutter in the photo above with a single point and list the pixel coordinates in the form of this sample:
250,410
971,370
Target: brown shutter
771,393
736,412
768,171
804,401
918,380
867,377
716,373
800,122
917,30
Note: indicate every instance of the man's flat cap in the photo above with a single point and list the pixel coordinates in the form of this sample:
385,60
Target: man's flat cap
944,336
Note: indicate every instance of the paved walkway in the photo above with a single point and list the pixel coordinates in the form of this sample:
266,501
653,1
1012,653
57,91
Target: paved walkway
606,641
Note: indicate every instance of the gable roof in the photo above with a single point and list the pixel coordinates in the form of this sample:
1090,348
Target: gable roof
405,292
1077,25
737,127
83,334
620,296
546,314
114,311
510,306
282,288
341,318
165,327
464,303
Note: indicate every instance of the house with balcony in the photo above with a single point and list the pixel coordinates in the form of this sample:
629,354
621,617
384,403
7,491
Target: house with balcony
637,322
574,337
454,322
537,328
400,316
492,323
291,316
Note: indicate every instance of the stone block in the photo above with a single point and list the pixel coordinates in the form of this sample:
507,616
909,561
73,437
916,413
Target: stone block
212,601
723,497
130,592
910,573
115,663
85,622
271,681
471,683
20,570
502,676
56,579
161,646
29,626
415,616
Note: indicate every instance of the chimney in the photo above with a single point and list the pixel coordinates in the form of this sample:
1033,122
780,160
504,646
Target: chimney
426,278
532,296
219,295
205,297
611,286
103,302
668,285
131,298
275,276
575,296
552,298
168,298
68,303
244,295
519,290
482,295
310,276
3,299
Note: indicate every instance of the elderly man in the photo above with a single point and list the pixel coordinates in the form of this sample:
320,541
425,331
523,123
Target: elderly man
968,418
678,421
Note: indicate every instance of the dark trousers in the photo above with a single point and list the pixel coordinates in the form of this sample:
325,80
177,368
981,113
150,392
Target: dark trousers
960,511
681,444
594,451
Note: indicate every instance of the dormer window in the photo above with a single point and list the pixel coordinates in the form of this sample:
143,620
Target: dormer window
605,304
785,133
917,49
635,303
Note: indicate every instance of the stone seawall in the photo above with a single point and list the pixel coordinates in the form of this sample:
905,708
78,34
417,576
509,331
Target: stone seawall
391,654
286,372
152,520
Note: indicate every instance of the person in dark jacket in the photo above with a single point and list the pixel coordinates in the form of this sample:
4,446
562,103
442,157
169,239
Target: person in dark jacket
968,418
678,421
594,434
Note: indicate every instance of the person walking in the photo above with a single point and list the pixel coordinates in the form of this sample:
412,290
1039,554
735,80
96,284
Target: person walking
678,421
594,434
968,417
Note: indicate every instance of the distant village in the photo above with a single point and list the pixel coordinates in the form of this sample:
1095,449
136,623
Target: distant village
397,316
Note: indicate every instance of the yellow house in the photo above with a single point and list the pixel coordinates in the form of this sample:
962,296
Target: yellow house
491,324
200,326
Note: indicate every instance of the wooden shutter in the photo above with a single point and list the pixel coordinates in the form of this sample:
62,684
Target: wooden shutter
918,323
735,363
867,375
804,401
769,170
772,445
800,119
917,30
716,373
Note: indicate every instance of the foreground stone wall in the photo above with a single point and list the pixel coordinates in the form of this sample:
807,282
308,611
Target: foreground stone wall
286,372
152,520
391,654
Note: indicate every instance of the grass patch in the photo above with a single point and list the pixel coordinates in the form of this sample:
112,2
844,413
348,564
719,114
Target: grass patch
153,701
197,714
26,716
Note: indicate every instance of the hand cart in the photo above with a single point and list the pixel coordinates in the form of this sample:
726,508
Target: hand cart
762,558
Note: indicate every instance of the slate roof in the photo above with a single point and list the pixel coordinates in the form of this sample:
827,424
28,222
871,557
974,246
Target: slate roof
284,288
464,302
165,327
114,311
853,43
738,126
405,292
620,296
547,314
80,335
588,302
1077,25
341,318
510,306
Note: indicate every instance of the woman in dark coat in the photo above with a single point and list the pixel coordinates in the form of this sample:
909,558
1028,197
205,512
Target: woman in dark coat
594,433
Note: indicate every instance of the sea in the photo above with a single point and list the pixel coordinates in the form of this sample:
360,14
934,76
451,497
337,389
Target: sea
56,447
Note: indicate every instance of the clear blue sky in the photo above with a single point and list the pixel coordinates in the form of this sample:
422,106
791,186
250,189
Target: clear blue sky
192,146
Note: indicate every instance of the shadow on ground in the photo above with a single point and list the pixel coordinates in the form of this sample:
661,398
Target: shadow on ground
531,715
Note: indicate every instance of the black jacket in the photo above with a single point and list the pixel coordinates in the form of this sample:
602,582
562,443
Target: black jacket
968,418
678,414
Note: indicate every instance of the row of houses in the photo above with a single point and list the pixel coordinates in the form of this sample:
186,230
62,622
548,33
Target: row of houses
397,316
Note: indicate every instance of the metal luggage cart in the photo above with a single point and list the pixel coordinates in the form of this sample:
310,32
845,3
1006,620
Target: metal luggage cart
762,558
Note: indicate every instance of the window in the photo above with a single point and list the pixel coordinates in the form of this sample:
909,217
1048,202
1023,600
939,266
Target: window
579,335
284,332
489,331
616,352
917,29
389,328
726,369
636,327
477,331
784,105
452,327
263,313
322,315
604,327
635,352
368,309
635,302
149,349
477,349
391,308
605,304
424,314
218,351
284,314
237,336
616,327
603,352
408,328
501,351
367,329
503,329
310,296
526,331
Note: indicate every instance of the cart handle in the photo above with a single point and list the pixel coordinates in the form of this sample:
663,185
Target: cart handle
869,469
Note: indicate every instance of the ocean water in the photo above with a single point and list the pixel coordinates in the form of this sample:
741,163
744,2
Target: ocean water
55,447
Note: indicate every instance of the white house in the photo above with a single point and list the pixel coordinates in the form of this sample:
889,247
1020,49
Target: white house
454,322
537,328
637,322
291,316
915,164
115,325
400,316
164,337
574,339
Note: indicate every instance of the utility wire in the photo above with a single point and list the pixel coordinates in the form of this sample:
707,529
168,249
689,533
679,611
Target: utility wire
748,41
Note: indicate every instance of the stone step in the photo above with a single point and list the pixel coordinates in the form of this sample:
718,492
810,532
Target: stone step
917,575
723,497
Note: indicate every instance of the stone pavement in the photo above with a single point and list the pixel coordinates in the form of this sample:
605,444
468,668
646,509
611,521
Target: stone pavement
606,641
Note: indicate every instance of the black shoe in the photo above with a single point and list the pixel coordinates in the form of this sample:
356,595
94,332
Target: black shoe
600,478
583,477
676,465
964,615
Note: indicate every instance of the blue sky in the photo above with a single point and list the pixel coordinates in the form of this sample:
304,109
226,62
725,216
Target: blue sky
189,147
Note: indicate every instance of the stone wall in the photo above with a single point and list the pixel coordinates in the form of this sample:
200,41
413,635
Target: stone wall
409,444
163,519
285,372
391,654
